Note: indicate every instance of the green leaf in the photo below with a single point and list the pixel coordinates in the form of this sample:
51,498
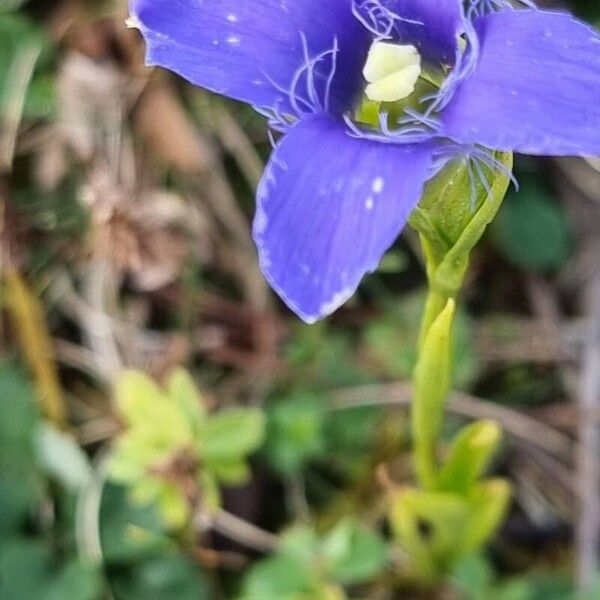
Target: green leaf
231,434
19,416
230,473
20,37
24,568
301,543
129,532
170,576
489,502
279,578
61,457
429,526
473,578
76,580
166,496
532,230
472,575
29,569
295,431
19,485
518,589
353,554
469,456
139,398
209,487
158,428
182,389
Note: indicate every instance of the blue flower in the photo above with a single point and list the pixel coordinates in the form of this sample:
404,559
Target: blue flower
340,185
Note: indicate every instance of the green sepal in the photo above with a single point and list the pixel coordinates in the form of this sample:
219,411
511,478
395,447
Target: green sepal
450,210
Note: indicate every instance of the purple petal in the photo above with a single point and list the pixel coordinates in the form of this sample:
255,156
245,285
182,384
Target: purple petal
433,27
255,50
536,88
329,206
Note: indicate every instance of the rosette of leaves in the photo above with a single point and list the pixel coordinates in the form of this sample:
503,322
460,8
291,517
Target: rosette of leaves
173,453
309,566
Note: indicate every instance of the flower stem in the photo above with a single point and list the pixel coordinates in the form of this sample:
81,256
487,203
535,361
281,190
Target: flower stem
447,251
434,305
432,378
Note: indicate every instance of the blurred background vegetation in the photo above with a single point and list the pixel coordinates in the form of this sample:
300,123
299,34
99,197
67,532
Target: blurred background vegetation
264,471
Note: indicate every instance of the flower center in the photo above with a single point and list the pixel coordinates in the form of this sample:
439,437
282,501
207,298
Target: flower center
400,93
392,71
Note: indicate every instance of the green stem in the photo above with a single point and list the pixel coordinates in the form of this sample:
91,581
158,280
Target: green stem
424,461
434,305
447,260
425,445
432,379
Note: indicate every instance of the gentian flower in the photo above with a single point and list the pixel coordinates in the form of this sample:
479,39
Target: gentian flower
373,98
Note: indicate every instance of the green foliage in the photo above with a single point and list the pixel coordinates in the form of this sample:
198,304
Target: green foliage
391,342
532,230
62,458
474,578
22,41
230,435
11,5
28,570
81,580
170,441
307,566
437,528
169,576
324,357
30,566
129,532
295,432
469,456
353,555
67,533
19,482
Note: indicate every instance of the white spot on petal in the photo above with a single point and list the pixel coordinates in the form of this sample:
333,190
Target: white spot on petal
378,185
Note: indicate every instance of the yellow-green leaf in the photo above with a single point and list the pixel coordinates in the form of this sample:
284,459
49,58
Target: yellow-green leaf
469,456
232,434
489,503
182,389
